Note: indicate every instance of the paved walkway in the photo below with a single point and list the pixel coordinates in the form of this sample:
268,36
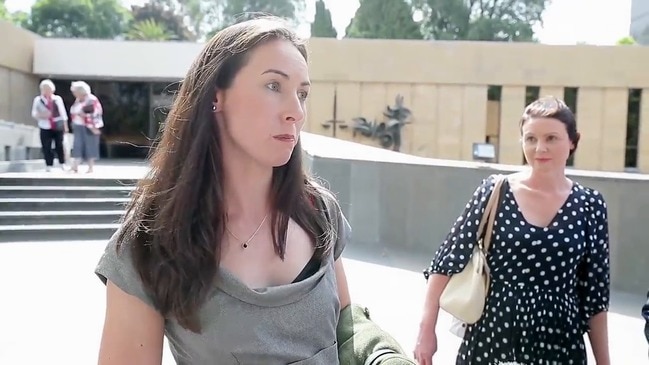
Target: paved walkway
52,305
104,169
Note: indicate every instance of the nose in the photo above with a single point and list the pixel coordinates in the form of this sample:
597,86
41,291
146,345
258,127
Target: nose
541,146
294,110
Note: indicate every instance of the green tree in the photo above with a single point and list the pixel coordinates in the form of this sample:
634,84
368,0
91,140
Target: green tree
383,19
239,10
483,20
154,16
101,19
198,16
20,18
148,30
626,41
322,26
4,13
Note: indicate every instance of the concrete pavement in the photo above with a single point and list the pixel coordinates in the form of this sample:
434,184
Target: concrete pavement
104,169
52,305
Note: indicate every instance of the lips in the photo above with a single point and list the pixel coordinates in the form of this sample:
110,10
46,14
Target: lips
285,137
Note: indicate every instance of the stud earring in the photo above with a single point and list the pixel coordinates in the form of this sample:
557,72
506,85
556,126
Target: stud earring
213,108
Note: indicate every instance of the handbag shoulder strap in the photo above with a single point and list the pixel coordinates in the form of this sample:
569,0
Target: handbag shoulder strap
489,215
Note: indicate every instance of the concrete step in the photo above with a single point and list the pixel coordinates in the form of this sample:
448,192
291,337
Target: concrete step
61,204
12,191
54,232
61,217
17,180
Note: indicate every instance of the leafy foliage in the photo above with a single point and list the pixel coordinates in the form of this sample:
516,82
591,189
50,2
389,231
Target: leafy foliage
159,15
482,20
148,30
322,26
100,19
383,19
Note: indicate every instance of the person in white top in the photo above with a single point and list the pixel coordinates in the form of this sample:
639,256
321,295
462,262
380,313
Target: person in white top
49,111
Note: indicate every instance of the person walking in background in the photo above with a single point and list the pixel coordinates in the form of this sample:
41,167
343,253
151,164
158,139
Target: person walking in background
87,119
49,111
548,260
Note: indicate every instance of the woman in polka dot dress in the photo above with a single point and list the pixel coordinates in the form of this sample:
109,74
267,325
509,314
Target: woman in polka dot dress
549,258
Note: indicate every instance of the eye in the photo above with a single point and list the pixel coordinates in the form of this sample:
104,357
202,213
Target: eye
302,95
273,86
529,139
552,138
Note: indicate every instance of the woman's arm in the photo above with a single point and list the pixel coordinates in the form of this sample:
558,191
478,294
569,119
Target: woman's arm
36,114
456,250
97,115
341,280
598,336
59,104
133,331
435,287
450,258
62,112
594,279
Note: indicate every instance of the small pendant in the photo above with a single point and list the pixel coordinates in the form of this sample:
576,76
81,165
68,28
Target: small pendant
245,245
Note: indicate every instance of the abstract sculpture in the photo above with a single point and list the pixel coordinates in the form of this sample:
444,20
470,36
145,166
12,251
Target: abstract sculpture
388,132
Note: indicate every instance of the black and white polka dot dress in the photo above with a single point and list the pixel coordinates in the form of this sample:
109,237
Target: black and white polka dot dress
546,282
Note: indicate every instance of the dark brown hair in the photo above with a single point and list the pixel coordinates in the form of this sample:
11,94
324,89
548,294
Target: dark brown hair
175,221
555,108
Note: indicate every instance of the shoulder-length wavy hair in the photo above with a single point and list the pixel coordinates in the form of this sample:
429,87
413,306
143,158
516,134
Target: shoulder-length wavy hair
174,223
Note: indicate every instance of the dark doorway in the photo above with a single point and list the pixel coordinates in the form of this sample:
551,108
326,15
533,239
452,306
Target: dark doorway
133,112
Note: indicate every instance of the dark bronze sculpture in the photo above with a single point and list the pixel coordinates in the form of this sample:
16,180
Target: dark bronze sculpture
389,132
334,121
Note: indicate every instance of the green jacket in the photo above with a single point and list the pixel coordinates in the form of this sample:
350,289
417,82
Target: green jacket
363,342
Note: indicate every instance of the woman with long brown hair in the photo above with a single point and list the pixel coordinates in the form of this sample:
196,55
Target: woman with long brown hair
228,248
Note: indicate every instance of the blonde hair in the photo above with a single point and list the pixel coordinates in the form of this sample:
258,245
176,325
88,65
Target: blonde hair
48,83
80,85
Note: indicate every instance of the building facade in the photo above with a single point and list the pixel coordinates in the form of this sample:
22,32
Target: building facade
639,27
457,94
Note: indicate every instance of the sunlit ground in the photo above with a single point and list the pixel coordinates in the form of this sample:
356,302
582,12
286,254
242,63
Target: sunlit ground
52,305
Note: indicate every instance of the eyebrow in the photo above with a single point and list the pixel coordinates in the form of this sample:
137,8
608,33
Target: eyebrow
546,134
284,75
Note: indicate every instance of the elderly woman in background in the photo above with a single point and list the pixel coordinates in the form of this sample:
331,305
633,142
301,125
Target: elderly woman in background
87,120
49,111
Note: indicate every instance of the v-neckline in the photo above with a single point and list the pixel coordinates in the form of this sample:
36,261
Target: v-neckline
554,217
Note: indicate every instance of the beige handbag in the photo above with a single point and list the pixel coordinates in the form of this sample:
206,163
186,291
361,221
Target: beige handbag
466,292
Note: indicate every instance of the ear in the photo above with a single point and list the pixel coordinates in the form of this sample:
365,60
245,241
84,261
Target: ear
575,143
217,104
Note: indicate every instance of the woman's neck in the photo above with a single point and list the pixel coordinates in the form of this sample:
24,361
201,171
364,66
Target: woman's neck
247,187
547,180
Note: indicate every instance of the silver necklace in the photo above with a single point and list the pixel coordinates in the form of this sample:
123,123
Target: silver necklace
244,244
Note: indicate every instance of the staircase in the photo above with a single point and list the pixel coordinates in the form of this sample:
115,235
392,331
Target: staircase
61,208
